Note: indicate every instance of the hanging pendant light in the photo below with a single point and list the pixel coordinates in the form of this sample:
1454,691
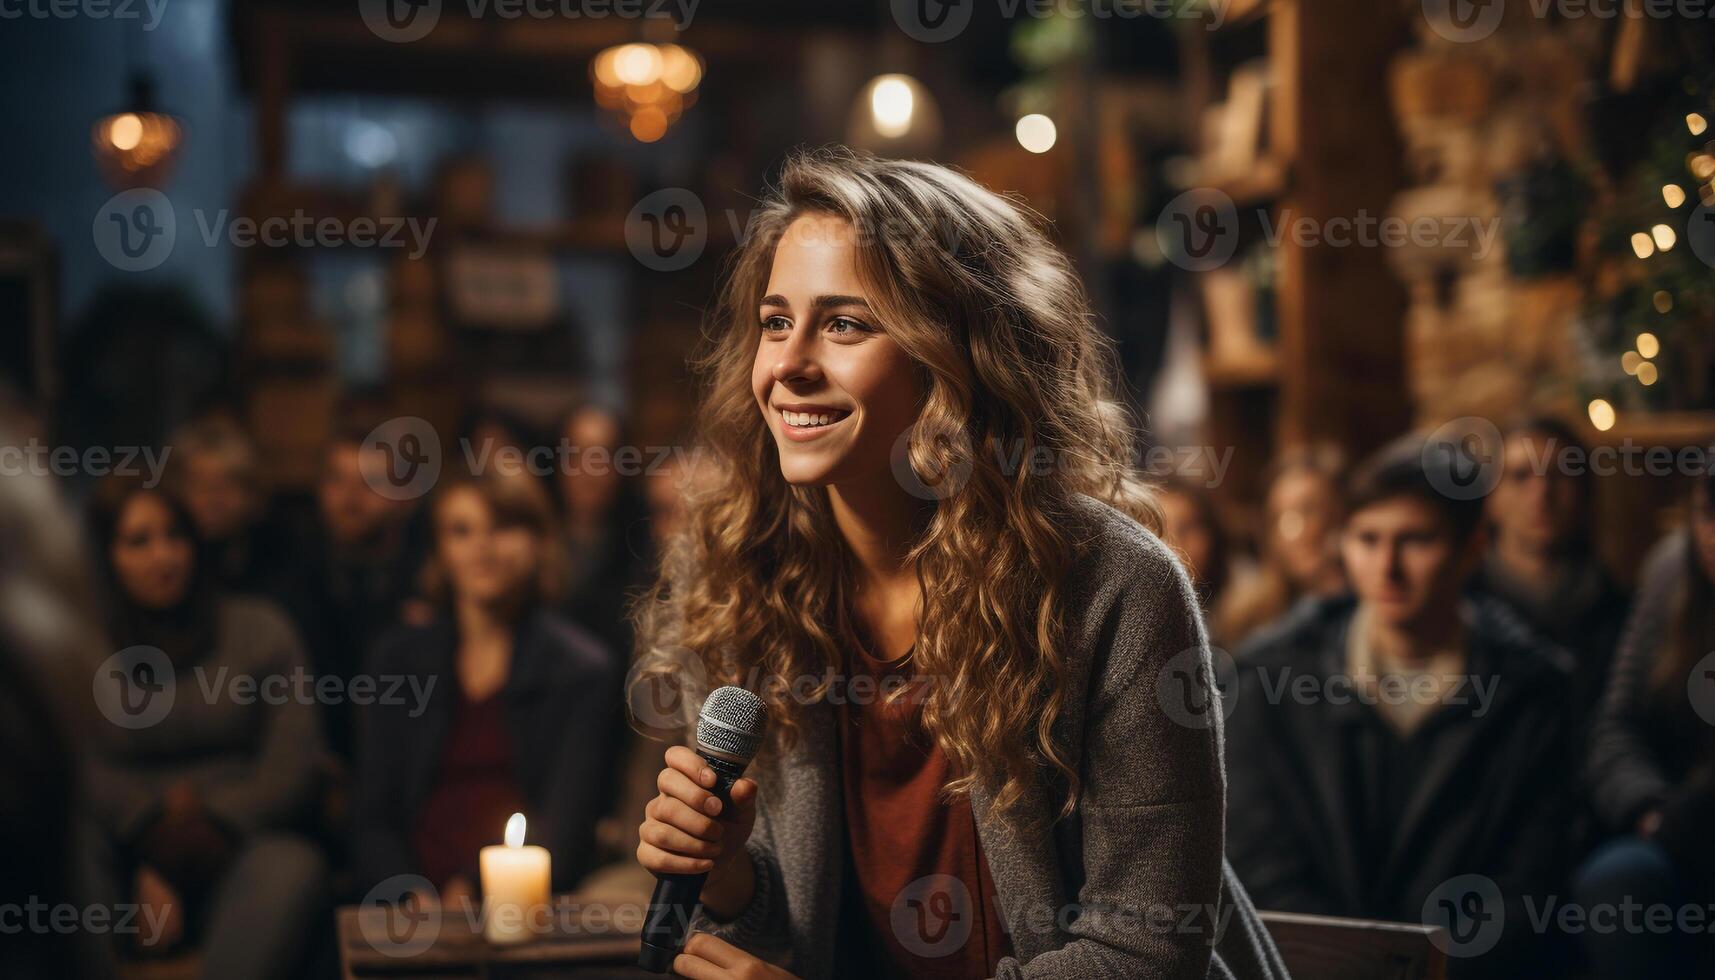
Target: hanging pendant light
648,86
137,145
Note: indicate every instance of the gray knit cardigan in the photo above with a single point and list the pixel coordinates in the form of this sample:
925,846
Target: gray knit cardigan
1134,884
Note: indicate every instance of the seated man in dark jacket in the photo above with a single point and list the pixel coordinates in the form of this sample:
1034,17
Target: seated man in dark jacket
1402,754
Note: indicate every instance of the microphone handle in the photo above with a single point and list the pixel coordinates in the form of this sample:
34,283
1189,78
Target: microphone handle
678,897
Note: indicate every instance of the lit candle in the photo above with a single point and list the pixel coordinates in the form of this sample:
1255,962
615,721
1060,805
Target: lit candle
514,885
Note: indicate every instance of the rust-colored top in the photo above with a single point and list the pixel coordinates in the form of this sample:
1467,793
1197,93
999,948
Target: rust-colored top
918,899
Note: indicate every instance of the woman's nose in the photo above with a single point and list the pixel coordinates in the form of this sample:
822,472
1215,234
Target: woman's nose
795,357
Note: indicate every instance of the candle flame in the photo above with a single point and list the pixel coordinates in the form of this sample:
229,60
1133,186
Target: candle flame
515,831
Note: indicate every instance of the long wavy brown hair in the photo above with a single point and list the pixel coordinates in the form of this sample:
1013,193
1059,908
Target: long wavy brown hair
756,588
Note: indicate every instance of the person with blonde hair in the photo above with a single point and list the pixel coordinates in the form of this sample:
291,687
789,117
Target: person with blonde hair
923,544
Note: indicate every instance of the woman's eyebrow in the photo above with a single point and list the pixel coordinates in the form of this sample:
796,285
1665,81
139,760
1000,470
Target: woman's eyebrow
820,302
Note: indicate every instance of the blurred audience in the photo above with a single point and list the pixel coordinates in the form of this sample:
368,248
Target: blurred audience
1541,560
515,710
1299,550
215,474
602,523
1384,743
1191,527
1652,760
355,574
200,806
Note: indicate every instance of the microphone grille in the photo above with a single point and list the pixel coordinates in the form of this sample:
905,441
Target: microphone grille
731,723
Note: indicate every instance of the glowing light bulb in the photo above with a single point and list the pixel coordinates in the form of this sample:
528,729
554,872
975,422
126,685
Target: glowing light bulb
1648,345
1036,133
1696,123
1673,194
891,105
1643,245
1601,414
1665,239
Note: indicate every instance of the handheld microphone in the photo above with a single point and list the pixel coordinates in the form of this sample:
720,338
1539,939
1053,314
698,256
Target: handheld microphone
729,731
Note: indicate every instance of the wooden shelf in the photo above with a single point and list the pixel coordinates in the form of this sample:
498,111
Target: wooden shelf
1676,429
1269,179
1261,370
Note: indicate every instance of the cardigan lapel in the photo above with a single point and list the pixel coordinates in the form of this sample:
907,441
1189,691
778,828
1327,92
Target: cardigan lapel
1031,896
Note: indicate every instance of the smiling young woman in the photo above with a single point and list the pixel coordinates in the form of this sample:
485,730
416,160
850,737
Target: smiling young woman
922,475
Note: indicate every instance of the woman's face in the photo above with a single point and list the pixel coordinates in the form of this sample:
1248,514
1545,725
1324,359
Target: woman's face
484,563
1302,520
152,555
835,390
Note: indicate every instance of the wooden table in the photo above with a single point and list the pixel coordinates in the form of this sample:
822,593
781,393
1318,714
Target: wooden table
584,940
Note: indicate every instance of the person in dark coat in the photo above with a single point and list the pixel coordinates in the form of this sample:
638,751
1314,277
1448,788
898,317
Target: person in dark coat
509,706
1541,560
1395,752
354,576
1652,760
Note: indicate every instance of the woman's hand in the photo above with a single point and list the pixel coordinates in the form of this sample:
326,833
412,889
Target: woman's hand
708,958
684,831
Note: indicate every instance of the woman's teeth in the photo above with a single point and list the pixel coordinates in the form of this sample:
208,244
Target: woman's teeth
806,420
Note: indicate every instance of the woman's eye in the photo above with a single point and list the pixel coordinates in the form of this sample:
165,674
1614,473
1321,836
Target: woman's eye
845,325
773,324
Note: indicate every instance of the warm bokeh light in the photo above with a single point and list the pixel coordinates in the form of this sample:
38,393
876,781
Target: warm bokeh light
1673,194
1643,245
135,149
1630,361
1703,165
1648,345
648,124
891,105
125,132
1036,133
1664,237
681,70
1601,414
1646,374
649,86
1696,123
1663,301
637,64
